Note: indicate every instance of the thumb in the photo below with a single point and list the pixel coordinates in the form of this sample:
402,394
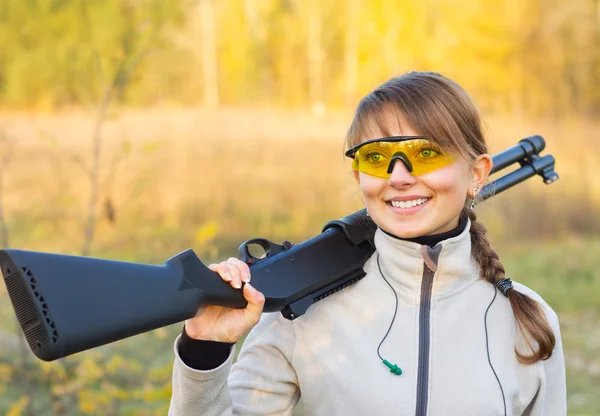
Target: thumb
256,302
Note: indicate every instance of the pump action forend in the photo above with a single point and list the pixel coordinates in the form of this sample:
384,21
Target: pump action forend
67,304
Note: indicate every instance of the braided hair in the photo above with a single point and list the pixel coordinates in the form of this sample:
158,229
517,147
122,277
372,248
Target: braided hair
528,313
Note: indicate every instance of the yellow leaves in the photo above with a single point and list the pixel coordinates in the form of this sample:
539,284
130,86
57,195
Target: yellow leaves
64,389
115,363
160,373
150,147
6,373
115,391
53,371
93,402
88,370
261,49
206,233
157,394
135,366
46,367
204,237
17,408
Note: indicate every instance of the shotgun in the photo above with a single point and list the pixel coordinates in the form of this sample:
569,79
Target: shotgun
67,304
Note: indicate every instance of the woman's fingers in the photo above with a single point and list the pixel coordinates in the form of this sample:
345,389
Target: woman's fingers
256,303
224,271
233,270
242,267
236,281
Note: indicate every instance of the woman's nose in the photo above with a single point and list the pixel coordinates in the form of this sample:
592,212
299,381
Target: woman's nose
400,176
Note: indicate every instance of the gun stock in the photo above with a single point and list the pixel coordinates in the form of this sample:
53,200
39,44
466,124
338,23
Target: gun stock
67,304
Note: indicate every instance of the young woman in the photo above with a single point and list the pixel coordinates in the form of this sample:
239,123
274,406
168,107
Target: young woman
434,328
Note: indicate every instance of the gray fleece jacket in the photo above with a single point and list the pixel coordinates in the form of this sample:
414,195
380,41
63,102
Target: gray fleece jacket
452,364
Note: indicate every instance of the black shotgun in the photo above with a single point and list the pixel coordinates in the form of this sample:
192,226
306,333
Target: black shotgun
67,304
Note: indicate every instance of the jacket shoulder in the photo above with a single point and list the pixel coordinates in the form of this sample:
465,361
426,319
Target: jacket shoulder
549,312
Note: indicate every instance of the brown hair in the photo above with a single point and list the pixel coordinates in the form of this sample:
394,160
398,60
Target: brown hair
441,110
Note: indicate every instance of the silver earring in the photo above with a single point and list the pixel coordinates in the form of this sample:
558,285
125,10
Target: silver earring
473,197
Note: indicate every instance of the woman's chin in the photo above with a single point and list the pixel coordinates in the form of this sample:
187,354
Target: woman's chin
405,231
403,226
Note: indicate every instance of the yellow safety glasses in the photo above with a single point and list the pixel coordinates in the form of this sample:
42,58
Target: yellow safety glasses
378,157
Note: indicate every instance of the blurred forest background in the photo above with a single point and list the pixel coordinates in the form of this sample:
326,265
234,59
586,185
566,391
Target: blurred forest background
135,129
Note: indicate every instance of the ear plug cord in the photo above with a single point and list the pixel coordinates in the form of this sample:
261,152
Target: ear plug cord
393,367
396,370
487,347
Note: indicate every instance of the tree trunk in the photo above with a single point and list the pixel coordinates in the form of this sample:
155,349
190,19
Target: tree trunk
209,53
394,22
315,56
251,17
351,52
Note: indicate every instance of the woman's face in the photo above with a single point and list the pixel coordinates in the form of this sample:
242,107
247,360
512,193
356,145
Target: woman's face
444,190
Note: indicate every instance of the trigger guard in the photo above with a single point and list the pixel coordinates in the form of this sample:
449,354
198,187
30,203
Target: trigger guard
248,258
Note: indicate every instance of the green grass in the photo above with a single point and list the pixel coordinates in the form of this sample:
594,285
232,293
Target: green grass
581,342
565,273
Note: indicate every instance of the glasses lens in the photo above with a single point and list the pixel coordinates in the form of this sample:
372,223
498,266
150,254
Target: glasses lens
424,157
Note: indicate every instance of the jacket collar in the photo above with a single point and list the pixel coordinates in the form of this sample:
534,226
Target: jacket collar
403,263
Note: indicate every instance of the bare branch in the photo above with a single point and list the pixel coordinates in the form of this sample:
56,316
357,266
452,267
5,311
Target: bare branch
126,67
95,168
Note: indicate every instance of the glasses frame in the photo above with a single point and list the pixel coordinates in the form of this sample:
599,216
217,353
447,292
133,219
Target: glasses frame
351,153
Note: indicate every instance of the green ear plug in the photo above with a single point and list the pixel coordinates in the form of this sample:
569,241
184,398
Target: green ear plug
393,367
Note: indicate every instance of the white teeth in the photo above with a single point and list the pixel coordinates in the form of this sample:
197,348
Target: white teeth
409,204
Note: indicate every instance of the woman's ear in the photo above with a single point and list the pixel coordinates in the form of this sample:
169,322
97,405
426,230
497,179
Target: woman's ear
481,169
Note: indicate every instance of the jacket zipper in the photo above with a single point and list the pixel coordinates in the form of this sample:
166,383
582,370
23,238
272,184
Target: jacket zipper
424,338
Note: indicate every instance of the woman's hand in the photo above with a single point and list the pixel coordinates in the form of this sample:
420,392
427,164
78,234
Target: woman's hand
218,323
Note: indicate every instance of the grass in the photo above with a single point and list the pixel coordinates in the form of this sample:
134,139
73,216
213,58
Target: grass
565,274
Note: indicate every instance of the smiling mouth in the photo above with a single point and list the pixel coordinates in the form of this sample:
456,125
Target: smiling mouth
407,204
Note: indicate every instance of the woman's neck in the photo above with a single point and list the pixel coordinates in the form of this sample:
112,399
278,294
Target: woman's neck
433,240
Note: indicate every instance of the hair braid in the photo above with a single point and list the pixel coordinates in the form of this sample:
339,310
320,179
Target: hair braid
528,313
